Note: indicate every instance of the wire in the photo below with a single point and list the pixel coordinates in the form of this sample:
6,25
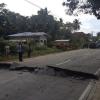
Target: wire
33,4
39,7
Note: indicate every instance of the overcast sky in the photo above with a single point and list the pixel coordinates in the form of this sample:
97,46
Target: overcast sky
89,23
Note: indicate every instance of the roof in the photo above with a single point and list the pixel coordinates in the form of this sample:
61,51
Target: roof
79,33
62,40
25,34
17,40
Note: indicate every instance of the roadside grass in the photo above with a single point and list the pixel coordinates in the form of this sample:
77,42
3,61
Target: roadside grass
9,58
34,53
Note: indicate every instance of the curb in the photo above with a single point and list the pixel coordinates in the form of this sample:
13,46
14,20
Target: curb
89,92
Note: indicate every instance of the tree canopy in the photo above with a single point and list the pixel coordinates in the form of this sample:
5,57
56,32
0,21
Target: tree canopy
11,23
86,6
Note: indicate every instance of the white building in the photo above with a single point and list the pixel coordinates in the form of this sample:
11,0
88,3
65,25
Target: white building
39,38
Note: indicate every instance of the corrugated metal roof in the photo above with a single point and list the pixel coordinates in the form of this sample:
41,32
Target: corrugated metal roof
62,40
28,34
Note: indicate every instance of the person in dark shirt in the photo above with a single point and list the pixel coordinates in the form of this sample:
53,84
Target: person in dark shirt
29,50
20,51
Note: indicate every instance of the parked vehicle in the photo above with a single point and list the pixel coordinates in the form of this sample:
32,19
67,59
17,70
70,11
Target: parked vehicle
92,45
98,44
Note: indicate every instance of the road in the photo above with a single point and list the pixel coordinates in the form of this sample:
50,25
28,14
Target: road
85,60
29,86
44,84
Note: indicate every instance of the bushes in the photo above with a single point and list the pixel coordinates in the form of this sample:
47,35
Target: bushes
13,54
40,48
3,43
13,49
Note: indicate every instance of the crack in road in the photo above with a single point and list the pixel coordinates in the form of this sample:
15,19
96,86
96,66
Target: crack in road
51,71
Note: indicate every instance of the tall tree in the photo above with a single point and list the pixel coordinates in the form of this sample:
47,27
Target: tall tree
44,22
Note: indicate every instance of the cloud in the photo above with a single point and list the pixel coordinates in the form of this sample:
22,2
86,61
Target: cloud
89,23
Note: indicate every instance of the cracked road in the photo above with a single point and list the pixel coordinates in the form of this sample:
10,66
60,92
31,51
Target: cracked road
25,85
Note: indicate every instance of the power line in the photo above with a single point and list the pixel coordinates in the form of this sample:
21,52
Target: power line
39,7
33,4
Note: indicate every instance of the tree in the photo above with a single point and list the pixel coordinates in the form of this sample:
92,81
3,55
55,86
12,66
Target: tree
79,39
2,7
11,23
98,36
43,22
46,23
73,26
86,6
76,24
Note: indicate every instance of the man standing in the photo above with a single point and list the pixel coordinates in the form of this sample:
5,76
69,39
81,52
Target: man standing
20,51
29,50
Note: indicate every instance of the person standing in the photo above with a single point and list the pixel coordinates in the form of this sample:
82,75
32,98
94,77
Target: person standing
20,51
29,50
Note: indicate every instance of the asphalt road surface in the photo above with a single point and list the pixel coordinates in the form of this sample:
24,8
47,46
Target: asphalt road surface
84,60
16,85
44,84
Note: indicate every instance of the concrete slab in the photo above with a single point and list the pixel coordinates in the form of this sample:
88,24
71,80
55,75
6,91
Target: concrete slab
89,64
15,85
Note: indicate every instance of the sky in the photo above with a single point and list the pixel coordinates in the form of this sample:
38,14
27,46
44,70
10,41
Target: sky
89,22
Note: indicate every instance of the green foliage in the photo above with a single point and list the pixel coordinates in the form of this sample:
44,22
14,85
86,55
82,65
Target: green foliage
13,50
40,48
85,6
11,22
98,36
3,43
78,39
45,51
50,44
71,27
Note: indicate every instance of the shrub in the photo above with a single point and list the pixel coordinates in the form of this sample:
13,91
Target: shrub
13,49
3,43
41,48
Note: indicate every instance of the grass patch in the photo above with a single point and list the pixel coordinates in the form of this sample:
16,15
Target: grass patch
35,52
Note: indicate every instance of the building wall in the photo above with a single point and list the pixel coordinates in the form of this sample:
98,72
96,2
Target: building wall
39,40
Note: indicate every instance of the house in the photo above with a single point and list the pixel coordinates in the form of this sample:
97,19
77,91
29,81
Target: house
62,43
79,34
39,38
